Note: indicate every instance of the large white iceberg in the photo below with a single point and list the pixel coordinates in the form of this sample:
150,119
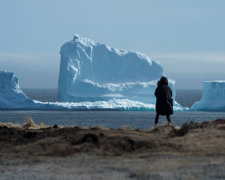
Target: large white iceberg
213,97
92,71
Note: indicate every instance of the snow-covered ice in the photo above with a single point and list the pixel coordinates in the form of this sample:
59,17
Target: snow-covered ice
213,97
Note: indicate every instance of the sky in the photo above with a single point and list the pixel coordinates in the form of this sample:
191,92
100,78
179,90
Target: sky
186,37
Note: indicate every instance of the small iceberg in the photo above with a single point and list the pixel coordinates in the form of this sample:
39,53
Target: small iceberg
213,97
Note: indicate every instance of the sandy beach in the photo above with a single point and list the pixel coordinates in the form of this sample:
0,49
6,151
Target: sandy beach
193,151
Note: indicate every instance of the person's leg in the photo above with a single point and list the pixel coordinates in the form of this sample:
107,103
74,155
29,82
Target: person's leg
169,120
156,119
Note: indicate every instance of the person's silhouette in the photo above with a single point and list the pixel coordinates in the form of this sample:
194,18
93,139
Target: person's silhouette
164,101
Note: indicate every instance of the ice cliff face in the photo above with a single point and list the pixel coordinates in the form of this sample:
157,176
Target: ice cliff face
10,93
91,71
213,97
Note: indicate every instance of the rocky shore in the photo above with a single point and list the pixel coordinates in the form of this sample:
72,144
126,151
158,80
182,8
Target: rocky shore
92,152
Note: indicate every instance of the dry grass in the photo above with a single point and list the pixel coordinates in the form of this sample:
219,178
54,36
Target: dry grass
29,124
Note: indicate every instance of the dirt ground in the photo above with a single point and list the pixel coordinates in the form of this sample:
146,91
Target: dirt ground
194,151
83,166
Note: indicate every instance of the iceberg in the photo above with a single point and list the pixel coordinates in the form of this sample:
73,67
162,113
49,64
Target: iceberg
213,97
92,71
11,96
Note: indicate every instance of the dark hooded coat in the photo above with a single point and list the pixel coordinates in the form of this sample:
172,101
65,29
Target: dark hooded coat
164,101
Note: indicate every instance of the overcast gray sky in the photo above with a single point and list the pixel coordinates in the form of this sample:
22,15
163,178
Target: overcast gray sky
186,37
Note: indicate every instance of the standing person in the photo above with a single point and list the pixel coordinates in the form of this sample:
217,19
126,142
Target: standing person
164,101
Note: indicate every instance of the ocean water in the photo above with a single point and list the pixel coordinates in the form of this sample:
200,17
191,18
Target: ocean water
111,119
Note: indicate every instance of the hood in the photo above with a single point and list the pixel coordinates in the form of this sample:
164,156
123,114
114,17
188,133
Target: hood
163,81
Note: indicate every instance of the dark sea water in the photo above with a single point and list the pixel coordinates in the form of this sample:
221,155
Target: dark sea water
112,119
